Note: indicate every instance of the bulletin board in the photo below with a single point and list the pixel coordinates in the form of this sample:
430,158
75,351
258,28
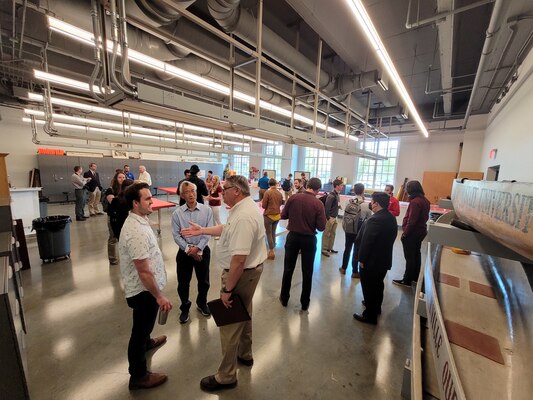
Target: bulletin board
298,174
271,173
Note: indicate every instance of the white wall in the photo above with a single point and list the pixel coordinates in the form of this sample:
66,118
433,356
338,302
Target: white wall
510,129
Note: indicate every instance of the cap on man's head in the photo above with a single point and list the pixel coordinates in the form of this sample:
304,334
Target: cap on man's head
194,169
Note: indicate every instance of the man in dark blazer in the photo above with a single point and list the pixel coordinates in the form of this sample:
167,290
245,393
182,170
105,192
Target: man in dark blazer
376,240
95,190
201,188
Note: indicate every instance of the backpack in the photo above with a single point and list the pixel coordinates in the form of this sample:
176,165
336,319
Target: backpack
286,185
352,217
323,199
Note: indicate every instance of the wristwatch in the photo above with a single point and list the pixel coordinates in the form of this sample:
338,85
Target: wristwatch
224,290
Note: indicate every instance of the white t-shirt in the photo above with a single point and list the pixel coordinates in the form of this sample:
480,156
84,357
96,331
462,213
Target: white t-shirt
145,177
243,234
138,242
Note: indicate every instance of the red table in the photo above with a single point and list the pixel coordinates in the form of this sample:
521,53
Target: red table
168,190
157,205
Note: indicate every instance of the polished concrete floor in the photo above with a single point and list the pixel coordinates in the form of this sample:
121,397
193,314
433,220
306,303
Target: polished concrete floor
79,327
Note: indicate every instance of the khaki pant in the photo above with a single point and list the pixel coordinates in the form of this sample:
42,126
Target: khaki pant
328,237
262,193
287,195
270,230
236,339
94,201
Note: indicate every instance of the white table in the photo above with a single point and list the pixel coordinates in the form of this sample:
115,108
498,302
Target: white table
25,206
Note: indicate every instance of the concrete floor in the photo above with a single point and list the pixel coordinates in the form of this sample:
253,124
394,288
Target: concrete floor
79,327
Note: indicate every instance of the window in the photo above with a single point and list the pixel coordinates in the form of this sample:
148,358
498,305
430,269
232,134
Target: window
241,164
273,162
318,163
375,174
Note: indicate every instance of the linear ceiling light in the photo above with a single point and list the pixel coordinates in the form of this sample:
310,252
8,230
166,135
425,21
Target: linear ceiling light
61,80
88,38
366,24
88,128
139,117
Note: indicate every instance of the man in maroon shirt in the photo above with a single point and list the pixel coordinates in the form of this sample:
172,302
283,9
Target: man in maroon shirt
414,232
306,215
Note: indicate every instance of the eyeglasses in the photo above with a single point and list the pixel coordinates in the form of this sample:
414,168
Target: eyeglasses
226,188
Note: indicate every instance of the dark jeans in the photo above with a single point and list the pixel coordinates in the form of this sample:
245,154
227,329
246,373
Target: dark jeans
349,243
413,257
294,243
80,202
372,285
184,268
145,309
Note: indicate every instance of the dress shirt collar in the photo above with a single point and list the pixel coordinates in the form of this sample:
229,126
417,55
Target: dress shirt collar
141,220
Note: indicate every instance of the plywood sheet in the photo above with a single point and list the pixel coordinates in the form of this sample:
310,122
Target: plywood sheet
438,184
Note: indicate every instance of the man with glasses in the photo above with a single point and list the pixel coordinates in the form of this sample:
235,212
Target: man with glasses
241,252
306,215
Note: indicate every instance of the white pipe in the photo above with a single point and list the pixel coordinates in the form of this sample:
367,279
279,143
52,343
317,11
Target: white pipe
487,49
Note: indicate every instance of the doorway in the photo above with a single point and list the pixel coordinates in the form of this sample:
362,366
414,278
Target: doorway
493,172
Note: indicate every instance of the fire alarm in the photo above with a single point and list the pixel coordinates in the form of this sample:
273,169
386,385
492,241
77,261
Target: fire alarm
492,154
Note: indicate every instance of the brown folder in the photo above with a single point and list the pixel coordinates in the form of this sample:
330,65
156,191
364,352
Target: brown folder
226,316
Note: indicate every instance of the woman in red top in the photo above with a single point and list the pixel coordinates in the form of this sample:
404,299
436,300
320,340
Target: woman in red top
414,232
215,199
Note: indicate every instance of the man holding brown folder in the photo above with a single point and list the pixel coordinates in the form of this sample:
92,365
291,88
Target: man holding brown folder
241,252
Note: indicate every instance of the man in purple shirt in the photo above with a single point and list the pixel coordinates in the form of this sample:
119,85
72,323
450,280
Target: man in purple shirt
306,215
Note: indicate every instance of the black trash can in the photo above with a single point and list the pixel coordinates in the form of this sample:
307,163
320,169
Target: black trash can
53,237
43,206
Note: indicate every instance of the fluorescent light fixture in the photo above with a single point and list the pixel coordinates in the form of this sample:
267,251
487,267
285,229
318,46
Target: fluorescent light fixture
61,80
371,33
137,117
382,84
87,37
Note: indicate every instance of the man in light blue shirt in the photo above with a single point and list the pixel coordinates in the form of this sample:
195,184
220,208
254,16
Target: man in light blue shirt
263,185
193,253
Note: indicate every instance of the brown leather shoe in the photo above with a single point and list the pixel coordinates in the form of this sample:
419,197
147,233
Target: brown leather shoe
156,342
271,255
150,380
210,384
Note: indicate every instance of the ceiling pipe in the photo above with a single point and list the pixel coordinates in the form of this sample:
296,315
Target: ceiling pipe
487,49
442,15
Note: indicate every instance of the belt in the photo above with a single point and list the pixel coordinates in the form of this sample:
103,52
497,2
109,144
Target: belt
248,269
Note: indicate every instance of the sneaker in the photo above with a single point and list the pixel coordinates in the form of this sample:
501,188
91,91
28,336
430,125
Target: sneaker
342,271
204,310
150,380
113,262
325,253
401,282
184,317
156,342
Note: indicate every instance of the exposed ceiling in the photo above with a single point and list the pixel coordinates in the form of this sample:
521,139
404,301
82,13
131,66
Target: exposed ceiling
436,58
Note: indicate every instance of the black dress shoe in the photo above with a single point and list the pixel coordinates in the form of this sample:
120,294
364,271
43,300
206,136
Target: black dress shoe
401,282
80,218
210,384
204,310
333,251
283,302
246,362
365,320
364,304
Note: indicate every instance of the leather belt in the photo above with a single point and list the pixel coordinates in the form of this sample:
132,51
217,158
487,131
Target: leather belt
248,269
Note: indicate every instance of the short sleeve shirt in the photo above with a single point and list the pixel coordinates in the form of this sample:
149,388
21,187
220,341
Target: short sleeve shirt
243,234
138,242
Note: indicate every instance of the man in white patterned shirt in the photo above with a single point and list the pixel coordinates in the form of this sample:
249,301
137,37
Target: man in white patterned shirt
144,277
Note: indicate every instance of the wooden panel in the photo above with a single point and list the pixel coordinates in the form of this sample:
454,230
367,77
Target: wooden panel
4,182
437,185
478,176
